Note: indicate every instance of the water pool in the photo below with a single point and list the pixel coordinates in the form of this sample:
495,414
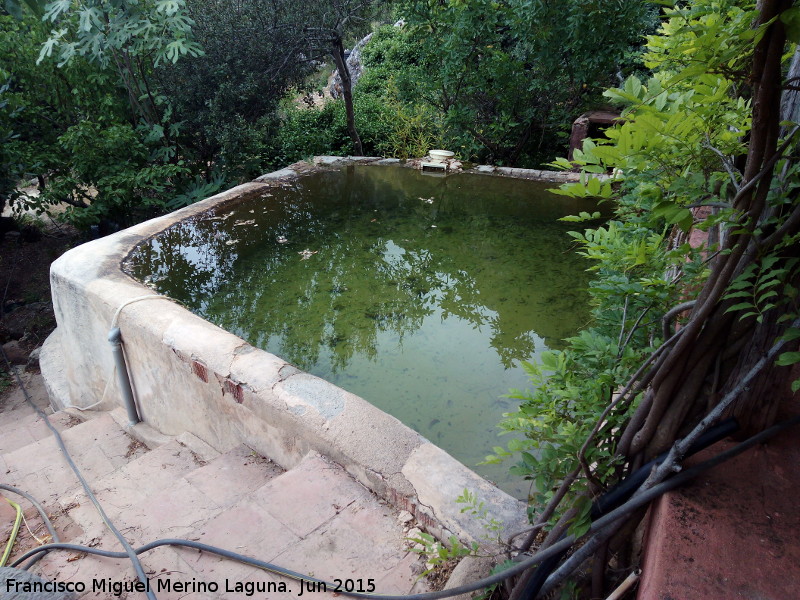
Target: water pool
422,294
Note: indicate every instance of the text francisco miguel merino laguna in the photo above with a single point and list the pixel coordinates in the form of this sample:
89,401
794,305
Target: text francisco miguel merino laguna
193,586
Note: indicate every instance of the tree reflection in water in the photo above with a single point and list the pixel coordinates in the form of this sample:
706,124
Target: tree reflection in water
423,294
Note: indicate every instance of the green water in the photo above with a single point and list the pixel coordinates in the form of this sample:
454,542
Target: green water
422,294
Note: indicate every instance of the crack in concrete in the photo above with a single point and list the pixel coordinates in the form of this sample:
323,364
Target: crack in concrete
237,351
282,378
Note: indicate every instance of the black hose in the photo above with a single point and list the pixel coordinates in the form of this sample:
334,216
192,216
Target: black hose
620,493
557,548
623,490
137,565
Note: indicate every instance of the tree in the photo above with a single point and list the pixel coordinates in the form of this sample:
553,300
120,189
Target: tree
87,120
323,26
510,76
132,36
704,130
227,98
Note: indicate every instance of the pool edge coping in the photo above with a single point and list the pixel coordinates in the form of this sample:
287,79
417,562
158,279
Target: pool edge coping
238,382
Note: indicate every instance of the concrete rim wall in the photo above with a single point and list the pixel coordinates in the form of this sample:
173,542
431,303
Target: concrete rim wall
189,375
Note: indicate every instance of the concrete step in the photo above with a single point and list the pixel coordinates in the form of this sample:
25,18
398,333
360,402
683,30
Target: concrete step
20,428
137,482
168,492
16,402
314,518
20,424
98,446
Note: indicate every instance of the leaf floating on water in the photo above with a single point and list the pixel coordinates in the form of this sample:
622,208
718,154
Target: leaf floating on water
306,254
248,222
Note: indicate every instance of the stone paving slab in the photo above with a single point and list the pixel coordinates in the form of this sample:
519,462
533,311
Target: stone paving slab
146,476
77,567
16,402
97,446
315,518
236,472
30,428
310,494
245,528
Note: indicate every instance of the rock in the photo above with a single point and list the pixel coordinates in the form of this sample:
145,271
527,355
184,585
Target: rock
15,354
469,570
414,534
354,65
405,517
29,317
34,355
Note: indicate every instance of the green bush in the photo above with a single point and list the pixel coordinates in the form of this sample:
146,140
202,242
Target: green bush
306,132
113,172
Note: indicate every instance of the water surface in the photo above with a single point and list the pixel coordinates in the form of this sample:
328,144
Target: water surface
422,294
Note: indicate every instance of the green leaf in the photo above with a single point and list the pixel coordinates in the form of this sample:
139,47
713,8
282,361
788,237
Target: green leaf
14,8
791,334
740,306
742,294
594,186
791,22
788,358
56,9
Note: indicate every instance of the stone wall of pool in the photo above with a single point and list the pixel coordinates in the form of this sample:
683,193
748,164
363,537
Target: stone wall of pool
190,375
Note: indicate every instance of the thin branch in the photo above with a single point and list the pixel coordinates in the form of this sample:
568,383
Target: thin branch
770,164
633,330
710,204
790,224
726,162
624,320
626,390
679,448
551,506
671,314
532,529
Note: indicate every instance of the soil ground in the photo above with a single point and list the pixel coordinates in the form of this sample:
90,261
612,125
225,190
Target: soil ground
26,308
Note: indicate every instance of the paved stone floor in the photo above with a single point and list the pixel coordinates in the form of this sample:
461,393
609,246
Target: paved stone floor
314,519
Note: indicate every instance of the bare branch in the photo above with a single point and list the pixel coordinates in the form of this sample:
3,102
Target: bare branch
710,204
624,319
679,448
726,163
770,164
633,330
671,314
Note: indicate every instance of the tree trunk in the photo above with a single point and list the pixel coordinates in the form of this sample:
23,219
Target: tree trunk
347,92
